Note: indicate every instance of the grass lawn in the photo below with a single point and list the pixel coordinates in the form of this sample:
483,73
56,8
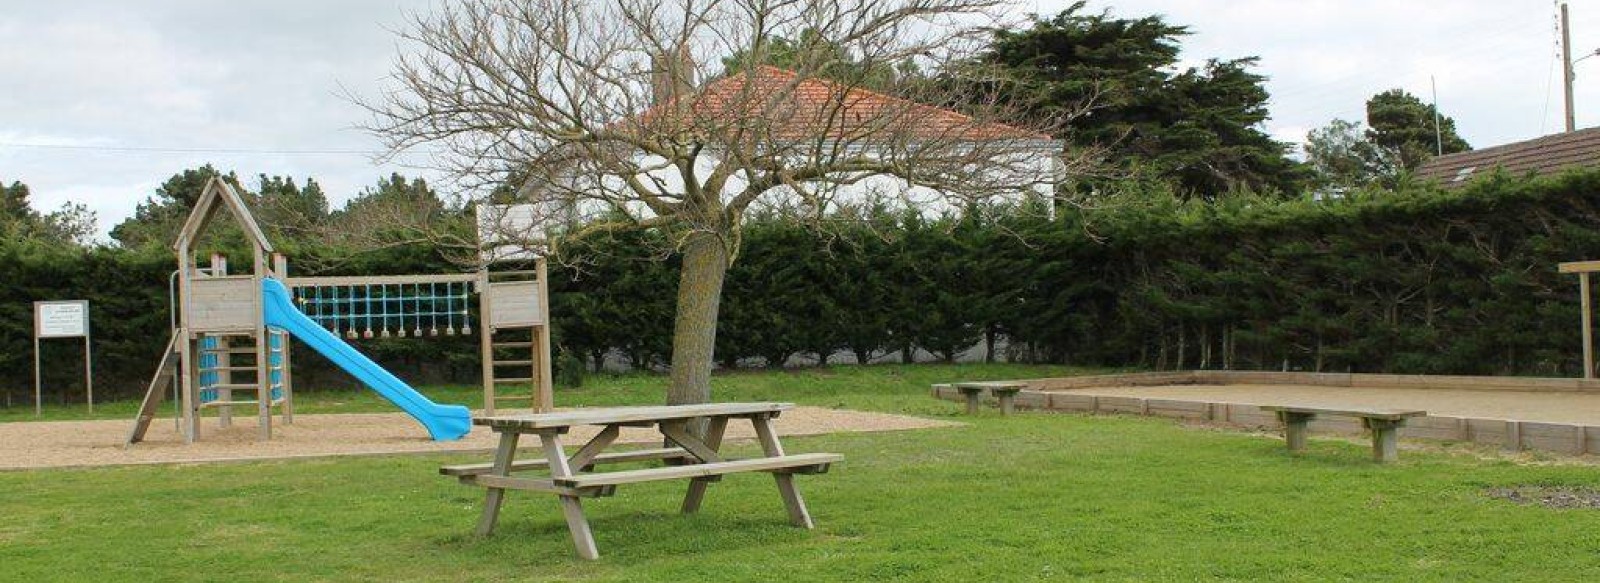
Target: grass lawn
1031,497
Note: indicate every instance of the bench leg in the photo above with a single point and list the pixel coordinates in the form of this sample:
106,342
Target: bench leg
1295,430
502,467
1008,403
973,401
571,508
1385,440
697,486
796,505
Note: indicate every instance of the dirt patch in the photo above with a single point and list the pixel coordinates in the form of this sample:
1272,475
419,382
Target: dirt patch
25,445
1549,496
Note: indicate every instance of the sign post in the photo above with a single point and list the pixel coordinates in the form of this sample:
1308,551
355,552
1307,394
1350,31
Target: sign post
61,319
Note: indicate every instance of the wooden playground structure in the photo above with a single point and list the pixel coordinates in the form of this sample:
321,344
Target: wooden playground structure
223,355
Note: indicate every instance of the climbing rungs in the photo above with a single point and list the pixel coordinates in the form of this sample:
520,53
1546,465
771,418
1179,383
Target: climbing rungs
227,403
513,363
509,381
233,386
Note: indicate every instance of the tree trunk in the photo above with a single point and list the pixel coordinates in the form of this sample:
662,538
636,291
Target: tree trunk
694,333
988,341
863,356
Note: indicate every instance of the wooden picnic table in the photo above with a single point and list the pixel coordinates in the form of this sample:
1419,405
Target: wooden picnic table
696,458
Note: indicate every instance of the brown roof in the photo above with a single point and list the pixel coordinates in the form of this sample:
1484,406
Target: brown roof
811,106
1546,155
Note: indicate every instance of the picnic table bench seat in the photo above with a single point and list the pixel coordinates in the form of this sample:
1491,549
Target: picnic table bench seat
805,463
638,455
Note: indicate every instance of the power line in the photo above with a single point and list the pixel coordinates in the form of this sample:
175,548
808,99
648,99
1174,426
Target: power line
172,150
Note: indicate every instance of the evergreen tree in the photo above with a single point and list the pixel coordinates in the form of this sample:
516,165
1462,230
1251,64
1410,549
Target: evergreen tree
72,225
1343,158
156,220
1200,128
1403,126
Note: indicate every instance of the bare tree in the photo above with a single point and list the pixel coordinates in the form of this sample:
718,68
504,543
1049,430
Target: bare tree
596,108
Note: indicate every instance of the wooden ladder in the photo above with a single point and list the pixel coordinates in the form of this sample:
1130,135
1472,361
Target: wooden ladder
498,366
165,374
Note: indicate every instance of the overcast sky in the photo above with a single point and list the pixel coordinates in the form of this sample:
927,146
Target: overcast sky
100,101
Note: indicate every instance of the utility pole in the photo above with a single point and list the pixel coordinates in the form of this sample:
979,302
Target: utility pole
1566,65
1438,134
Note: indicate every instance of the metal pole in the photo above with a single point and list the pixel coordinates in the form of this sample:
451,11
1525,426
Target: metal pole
1566,65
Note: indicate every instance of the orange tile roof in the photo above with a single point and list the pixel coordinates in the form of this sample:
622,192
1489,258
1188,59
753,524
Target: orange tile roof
810,107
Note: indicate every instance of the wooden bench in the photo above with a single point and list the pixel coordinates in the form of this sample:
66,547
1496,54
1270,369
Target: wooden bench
1384,423
806,463
1005,391
695,458
640,455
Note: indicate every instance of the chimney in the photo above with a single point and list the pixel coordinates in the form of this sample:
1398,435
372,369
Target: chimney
671,76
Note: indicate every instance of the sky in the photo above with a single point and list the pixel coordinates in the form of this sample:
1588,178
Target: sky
101,101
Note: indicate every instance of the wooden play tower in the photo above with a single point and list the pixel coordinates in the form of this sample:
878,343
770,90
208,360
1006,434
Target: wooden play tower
223,356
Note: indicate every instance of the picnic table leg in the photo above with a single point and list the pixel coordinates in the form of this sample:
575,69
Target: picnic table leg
1008,402
1294,429
1385,439
697,486
571,508
798,515
973,401
503,456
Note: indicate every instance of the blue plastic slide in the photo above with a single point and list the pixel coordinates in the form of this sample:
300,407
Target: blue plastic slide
444,422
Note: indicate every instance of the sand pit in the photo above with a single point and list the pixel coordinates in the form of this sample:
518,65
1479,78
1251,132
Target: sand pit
99,443
1548,407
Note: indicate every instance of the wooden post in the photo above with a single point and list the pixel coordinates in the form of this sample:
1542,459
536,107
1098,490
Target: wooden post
1385,439
544,393
88,365
263,349
186,357
191,387
1588,325
486,342
38,381
972,394
1295,429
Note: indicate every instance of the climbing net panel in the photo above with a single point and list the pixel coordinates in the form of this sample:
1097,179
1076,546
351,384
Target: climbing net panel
390,307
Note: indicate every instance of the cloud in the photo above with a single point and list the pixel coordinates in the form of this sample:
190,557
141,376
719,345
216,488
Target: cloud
202,74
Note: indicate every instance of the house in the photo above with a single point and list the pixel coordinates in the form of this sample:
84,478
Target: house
803,143
1540,156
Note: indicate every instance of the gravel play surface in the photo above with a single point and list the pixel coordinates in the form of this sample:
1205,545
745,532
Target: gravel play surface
97,443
